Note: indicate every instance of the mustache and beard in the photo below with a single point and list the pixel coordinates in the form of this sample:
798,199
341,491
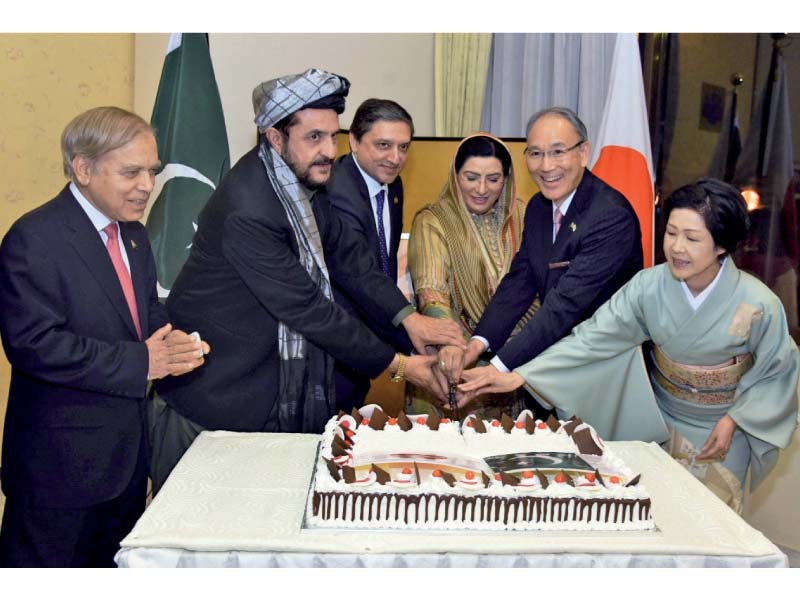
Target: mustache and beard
304,174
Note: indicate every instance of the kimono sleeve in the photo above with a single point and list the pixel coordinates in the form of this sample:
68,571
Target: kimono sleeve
598,371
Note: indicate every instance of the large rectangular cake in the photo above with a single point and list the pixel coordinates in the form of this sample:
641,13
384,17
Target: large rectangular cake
427,472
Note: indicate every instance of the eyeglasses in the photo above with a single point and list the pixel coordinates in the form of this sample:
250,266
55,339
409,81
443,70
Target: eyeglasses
557,154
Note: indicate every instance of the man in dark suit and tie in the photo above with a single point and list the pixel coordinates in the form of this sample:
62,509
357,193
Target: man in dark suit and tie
581,243
84,332
366,191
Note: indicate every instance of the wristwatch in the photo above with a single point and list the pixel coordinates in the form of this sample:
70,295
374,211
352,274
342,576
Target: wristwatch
401,369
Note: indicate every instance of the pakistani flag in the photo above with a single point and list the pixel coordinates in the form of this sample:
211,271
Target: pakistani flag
192,146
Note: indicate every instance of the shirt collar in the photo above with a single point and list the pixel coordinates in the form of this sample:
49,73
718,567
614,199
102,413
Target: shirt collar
373,185
565,204
98,219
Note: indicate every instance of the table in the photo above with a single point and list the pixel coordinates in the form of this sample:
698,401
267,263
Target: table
238,499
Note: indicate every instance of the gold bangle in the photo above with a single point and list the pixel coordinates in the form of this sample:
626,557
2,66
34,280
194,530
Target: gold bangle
401,369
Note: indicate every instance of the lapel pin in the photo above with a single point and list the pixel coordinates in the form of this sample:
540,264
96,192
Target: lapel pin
573,226
396,200
133,245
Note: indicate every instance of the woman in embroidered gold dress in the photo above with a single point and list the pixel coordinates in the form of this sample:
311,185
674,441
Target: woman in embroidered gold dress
460,249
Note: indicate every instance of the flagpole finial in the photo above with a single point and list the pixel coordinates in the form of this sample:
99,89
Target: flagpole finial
737,79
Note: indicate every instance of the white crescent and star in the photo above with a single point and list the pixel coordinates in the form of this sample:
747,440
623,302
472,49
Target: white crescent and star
171,171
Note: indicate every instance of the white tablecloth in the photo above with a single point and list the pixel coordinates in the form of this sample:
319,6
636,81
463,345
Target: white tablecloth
238,500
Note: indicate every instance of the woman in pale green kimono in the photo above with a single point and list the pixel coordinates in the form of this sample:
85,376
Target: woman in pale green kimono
721,393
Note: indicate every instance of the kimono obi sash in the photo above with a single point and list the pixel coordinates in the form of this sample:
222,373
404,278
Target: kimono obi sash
714,384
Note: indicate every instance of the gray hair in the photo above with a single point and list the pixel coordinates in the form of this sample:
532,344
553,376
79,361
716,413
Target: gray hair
97,131
373,110
565,113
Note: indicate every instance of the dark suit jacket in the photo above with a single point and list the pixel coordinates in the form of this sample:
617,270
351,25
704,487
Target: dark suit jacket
350,199
243,277
597,250
79,373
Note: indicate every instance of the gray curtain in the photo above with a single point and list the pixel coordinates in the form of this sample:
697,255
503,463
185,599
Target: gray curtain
531,71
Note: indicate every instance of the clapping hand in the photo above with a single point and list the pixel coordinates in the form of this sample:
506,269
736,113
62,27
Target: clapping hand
174,352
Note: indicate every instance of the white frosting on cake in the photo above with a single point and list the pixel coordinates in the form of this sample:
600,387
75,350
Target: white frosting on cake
432,503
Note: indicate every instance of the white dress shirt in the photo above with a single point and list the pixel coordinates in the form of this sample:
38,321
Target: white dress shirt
100,221
373,187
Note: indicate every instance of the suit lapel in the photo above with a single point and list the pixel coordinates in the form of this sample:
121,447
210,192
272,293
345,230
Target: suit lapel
395,219
542,236
87,243
571,220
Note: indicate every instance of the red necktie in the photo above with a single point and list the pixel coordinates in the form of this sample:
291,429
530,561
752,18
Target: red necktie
557,216
122,273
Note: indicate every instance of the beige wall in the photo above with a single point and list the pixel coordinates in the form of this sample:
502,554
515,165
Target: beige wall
45,80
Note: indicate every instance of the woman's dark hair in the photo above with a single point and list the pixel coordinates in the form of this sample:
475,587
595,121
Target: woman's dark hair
720,204
481,145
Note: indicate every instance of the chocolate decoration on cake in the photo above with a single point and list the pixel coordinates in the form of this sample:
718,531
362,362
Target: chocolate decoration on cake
599,478
448,478
552,423
370,503
507,423
542,478
341,414
378,420
333,469
403,421
634,481
369,507
382,476
586,444
567,479
570,425
530,424
356,415
509,479
433,422
338,447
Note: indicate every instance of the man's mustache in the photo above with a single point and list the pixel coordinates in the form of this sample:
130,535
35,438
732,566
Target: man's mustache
322,162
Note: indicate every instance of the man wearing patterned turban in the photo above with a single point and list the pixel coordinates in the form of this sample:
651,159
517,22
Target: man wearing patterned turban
257,286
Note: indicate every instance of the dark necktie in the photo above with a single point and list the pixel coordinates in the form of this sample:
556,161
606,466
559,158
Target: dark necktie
382,252
122,273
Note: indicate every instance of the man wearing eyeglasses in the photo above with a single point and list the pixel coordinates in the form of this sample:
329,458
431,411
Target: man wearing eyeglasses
581,243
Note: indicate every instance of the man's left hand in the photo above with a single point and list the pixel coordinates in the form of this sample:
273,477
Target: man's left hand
425,331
